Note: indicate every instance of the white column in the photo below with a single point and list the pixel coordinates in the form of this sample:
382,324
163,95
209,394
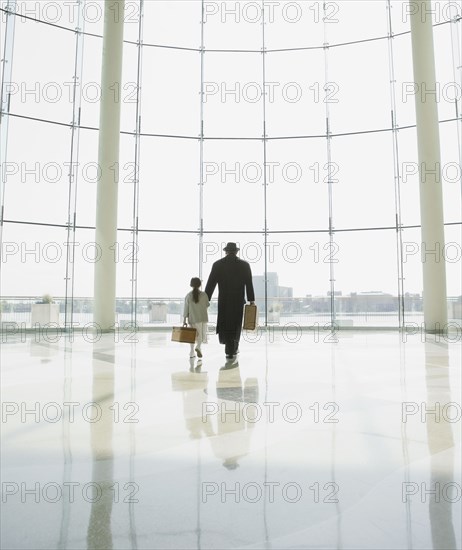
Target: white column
108,158
431,194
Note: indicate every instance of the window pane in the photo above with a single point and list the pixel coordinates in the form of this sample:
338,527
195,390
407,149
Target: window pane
295,100
413,275
64,14
173,23
445,11
91,81
364,194
233,191
125,256
233,92
297,192
131,20
409,172
126,182
156,251
43,89
84,267
129,88
302,263
367,262
366,277
359,96
35,260
404,80
94,17
344,18
400,16
448,90
171,92
296,24
88,175
233,25
451,171
453,255
3,18
169,184
38,157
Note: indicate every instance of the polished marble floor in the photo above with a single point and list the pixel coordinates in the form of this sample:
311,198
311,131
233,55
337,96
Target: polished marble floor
304,441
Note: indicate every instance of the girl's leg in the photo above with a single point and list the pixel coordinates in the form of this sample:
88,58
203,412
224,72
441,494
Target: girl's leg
199,339
191,351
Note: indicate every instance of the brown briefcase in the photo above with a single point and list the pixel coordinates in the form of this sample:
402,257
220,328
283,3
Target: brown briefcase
186,335
250,317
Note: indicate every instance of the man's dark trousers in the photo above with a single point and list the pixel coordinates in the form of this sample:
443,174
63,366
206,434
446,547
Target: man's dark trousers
231,340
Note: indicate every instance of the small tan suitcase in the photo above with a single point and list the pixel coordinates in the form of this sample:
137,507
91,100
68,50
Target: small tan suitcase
186,335
250,317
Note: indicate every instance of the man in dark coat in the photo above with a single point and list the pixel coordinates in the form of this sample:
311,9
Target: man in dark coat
234,279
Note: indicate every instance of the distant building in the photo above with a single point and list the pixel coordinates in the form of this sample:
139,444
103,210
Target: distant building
274,291
373,300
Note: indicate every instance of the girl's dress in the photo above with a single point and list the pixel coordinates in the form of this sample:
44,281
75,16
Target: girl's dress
197,317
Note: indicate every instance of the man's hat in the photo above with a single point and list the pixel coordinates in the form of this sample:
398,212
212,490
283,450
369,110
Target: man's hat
231,247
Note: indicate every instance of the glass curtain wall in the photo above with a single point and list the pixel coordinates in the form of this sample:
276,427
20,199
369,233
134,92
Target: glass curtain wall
287,128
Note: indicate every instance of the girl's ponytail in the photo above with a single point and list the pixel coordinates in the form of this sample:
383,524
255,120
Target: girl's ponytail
195,283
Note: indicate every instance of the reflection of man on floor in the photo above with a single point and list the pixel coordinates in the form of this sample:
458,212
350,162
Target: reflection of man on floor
229,433
234,424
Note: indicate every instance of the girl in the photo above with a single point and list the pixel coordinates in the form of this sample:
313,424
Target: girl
195,310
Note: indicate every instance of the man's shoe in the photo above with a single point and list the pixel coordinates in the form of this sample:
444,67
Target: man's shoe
230,365
199,352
